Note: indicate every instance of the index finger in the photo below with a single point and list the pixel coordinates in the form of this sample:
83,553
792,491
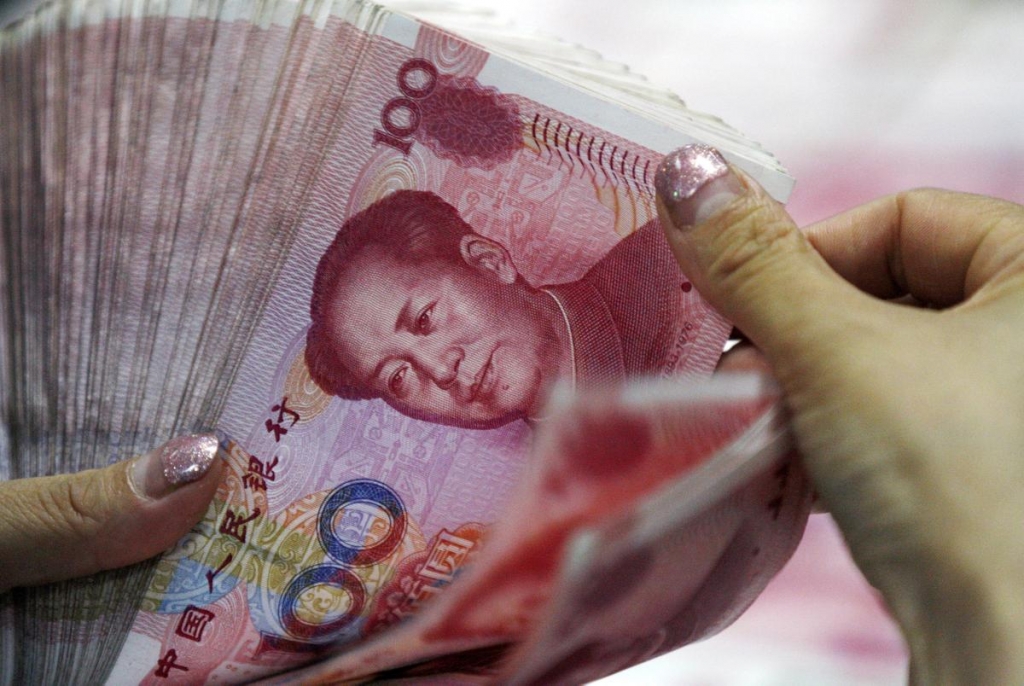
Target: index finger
939,246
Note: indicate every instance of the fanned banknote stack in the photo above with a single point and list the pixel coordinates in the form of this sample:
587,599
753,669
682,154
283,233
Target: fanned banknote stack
413,277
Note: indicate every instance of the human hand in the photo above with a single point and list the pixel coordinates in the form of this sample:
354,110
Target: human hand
59,527
909,420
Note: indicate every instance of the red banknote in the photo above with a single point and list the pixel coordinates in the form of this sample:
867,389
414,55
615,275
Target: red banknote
649,517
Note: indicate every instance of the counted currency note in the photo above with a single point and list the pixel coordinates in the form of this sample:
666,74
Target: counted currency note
460,249
681,562
649,517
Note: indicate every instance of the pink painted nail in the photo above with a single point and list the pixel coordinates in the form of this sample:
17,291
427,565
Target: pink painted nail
180,461
694,182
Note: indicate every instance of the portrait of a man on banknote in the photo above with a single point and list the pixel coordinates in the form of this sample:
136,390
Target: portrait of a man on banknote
413,306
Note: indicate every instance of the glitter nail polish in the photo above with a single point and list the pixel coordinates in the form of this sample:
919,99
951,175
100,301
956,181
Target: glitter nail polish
693,182
187,458
180,461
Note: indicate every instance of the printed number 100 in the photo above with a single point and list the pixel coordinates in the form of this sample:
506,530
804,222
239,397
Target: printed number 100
398,128
346,551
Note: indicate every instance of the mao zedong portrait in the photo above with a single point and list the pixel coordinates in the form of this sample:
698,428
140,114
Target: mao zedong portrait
411,305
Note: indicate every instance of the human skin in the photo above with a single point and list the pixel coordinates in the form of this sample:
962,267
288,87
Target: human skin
908,419
68,525
462,341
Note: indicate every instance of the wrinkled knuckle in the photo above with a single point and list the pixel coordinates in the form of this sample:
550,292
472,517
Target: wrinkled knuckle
988,212
1005,212
1002,221
63,508
754,237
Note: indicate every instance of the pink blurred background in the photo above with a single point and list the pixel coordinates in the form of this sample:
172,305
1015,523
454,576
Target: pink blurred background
858,99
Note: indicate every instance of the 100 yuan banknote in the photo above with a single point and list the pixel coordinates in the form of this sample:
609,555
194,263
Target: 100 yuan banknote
470,238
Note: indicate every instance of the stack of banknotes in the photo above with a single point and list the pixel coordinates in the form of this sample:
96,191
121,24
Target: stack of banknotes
406,262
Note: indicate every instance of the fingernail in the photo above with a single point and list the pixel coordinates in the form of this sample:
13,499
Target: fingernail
694,182
180,461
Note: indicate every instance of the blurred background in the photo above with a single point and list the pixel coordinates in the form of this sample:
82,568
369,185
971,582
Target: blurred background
858,98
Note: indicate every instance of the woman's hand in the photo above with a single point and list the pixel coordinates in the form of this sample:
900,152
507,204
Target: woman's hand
59,527
910,420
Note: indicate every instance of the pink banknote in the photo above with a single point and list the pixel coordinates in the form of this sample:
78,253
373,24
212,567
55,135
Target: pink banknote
457,249
648,518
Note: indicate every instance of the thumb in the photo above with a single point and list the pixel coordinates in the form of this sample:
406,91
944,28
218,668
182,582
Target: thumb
69,525
746,256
